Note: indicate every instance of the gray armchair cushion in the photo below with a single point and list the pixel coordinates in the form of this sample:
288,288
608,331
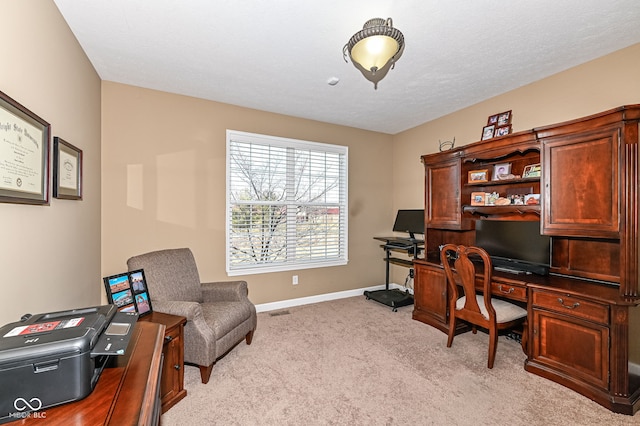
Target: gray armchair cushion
223,317
231,291
177,271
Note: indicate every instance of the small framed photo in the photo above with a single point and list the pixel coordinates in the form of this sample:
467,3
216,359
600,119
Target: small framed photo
502,130
517,199
532,171
129,292
477,198
487,132
67,170
493,119
504,118
478,176
532,199
501,171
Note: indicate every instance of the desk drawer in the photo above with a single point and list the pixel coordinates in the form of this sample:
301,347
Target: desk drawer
509,291
571,305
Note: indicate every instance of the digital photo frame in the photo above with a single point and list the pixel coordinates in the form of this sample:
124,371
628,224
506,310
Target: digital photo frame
129,292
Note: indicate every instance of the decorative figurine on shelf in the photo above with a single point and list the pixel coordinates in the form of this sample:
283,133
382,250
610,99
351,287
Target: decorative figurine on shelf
491,198
446,145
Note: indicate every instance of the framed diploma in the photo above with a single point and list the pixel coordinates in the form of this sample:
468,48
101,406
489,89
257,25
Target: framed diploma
24,154
67,170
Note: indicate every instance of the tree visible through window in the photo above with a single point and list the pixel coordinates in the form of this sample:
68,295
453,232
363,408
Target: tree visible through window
286,204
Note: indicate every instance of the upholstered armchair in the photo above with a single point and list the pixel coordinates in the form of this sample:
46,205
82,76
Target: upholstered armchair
219,314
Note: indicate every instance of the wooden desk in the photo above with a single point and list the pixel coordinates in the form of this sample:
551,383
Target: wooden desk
576,329
127,392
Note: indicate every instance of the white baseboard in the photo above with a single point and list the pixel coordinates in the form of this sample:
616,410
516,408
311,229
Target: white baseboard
272,306
634,368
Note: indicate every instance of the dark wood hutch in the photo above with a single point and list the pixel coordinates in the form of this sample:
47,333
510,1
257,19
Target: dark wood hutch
578,315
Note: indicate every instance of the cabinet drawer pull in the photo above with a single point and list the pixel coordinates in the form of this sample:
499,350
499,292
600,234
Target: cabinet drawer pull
177,366
511,290
575,305
167,339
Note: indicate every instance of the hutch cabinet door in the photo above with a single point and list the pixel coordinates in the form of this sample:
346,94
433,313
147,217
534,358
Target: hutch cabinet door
572,348
584,198
443,183
571,336
172,380
430,296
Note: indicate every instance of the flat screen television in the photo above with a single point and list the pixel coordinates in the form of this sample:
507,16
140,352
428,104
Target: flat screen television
409,221
515,246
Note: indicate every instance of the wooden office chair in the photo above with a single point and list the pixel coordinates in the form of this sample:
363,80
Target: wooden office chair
478,309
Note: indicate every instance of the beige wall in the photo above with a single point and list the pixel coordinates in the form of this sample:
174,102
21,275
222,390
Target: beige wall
164,186
596,86
50,255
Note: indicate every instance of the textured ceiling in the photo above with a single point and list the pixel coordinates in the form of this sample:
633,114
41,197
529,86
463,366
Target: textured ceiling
278,55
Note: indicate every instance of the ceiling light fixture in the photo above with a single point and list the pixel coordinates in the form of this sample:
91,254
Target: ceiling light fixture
375,49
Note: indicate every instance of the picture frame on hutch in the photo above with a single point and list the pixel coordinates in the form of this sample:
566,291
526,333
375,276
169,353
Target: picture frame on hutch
504,118
532,171
487,132
24,148
67,170
478,176
502,130
477,198
501,171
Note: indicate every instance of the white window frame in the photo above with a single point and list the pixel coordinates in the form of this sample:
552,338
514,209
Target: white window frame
290,263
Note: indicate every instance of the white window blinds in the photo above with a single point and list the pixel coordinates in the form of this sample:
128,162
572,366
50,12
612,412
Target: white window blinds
286,204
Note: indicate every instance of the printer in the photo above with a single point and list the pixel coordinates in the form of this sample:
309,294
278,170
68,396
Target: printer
54,358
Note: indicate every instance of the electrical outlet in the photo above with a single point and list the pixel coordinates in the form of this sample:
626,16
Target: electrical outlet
294,280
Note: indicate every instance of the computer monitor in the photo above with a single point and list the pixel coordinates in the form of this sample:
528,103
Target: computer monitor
409,221
515,244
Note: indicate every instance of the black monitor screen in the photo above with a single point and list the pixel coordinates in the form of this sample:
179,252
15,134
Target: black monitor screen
409,221
516,242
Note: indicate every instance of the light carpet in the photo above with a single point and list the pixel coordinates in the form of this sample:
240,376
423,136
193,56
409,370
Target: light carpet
355,362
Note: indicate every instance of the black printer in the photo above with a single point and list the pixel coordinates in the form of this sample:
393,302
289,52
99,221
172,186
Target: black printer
53,358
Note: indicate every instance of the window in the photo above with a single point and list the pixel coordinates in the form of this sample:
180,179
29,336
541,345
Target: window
286,204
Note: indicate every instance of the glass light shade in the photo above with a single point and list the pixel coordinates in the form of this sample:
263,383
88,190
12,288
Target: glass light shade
375,48
374,52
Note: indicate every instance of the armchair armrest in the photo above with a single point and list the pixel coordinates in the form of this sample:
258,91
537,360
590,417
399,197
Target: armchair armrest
224,290
189,310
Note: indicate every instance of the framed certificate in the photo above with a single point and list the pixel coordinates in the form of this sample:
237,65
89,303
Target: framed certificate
67,170
24,151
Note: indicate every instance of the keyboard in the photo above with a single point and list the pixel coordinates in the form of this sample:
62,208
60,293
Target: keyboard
395,244
510,270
